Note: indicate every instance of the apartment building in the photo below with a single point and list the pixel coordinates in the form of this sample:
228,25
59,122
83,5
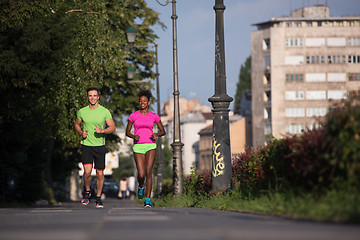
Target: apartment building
301,66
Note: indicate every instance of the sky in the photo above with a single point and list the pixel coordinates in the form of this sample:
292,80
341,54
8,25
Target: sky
196,39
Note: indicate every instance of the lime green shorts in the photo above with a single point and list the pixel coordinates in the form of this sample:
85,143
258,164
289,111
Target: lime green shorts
143,148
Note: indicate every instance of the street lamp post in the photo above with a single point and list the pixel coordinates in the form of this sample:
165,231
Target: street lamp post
160,169
221,155
177,145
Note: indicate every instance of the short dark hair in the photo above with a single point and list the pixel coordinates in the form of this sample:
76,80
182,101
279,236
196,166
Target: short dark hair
92,89
146,93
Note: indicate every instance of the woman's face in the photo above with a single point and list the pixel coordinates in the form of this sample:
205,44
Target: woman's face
144,102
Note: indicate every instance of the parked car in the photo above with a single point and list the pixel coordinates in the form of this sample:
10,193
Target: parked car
110,189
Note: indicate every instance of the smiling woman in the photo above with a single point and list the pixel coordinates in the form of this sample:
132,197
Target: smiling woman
144,142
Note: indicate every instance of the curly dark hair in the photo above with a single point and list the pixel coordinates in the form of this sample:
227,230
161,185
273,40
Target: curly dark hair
146,93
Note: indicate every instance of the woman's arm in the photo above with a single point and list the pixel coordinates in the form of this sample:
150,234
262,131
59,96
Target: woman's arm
128,133
161,130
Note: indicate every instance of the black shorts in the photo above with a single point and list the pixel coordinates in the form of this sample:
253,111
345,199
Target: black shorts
94,155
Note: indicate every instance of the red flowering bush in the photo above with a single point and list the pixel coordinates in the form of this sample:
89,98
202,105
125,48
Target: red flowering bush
308,165
199,182
247,171
262,168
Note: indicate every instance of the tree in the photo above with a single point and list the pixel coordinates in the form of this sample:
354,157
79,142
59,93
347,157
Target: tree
243,84
51,52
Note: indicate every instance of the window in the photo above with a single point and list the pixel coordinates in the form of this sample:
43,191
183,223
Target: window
267,113
267,61
354,41
338,59
294,112
294,60
354,76
293,42
354,94
319,23
314,42
313,126
297,24
294,77
266,44
336,42
337,94
309,24
294,95
336,77
267,96
267,129
354,58
315,112
315,77
315,59
294,128
316,95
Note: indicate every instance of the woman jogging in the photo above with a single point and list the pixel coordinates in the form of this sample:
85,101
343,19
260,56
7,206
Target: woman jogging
144,142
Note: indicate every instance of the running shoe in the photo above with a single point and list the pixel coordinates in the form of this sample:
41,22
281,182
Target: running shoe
86,198
141,192
99,203
147,203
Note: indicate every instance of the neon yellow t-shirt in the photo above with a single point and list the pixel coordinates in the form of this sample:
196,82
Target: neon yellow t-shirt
90,118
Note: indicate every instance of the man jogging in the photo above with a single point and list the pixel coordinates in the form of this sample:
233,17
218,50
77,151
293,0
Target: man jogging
93,119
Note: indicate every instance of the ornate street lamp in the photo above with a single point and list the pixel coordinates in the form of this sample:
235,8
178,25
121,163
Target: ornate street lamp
130,73
177,145
131,35
221,155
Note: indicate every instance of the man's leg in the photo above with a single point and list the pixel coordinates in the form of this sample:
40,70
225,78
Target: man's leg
87,176
99,186
99,182
87,181
99,159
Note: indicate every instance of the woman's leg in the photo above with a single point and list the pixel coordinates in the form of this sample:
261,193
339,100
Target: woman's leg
140,165
150,159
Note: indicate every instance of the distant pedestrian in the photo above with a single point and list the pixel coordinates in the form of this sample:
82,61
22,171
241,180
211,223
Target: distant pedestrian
123,187
144,142
131,187
91,124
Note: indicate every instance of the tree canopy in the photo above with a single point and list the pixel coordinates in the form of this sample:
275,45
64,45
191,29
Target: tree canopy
50,52
243,84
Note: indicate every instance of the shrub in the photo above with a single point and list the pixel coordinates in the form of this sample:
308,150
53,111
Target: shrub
277,165
342,129
198,183
247,170
167,187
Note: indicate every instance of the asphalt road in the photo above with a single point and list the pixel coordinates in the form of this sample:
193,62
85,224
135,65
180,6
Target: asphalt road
125,219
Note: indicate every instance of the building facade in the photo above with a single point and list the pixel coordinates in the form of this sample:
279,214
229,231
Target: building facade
240,139
301,66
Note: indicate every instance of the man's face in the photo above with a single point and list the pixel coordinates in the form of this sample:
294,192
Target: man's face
93,97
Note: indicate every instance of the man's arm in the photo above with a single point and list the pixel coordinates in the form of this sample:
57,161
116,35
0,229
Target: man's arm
78,128
109,129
